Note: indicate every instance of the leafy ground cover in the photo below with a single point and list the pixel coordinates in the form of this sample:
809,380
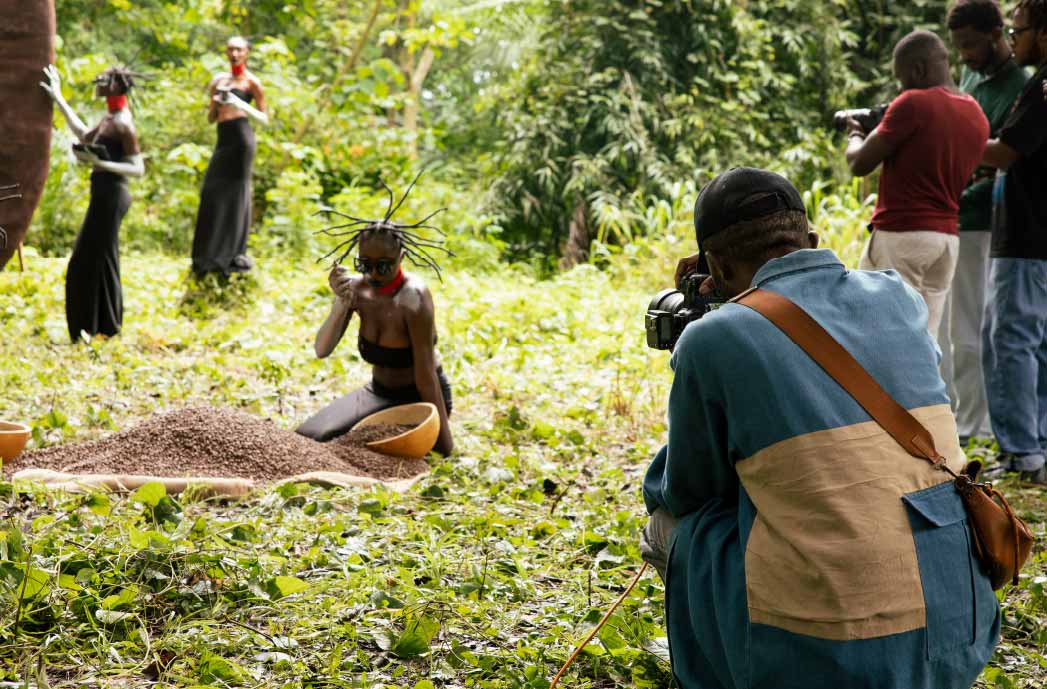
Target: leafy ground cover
483,575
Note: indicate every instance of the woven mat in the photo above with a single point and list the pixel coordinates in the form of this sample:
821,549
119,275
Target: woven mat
208,486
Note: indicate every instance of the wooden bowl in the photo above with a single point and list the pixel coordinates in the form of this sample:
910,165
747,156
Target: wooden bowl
13,437
414,443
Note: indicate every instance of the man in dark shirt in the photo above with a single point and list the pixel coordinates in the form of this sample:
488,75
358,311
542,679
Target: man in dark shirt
995,80
930,141
1015,331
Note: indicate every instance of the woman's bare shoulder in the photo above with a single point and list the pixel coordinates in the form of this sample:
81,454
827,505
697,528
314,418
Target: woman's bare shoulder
415,295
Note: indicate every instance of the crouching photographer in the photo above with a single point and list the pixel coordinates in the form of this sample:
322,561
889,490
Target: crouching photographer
801,546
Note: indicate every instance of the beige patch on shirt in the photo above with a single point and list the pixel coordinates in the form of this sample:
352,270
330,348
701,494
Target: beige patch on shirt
831,553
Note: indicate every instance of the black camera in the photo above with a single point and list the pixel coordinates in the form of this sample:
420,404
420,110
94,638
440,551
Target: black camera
98,150
868,118
671,310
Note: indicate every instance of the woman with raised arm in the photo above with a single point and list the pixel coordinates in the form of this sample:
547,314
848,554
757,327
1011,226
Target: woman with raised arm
224,217
93,295
397,326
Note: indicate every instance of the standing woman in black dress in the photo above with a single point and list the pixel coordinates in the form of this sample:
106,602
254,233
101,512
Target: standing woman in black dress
224,217
93,296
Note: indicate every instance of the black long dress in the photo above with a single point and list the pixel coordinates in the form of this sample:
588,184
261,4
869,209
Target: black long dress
94,302
224,217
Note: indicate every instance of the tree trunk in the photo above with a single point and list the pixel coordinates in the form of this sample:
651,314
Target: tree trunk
413,105
27,30
576,250
343,70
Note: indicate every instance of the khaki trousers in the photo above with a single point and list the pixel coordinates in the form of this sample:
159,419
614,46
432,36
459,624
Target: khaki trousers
960,336
925,260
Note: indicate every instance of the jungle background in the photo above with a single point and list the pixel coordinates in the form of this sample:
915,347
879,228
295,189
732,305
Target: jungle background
567,139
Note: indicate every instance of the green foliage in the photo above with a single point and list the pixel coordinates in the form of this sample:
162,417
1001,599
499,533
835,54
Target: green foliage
623,100
335,126
533,109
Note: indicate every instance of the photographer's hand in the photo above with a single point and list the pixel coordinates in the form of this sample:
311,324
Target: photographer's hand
865,151
855,129
707,287
685,266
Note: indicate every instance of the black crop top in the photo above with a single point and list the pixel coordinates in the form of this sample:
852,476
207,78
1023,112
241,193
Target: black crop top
245,96
386,357
114,147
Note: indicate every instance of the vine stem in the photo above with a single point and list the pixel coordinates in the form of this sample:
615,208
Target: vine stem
21,592
599,626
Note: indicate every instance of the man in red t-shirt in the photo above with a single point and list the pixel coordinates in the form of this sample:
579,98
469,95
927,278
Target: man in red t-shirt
930,141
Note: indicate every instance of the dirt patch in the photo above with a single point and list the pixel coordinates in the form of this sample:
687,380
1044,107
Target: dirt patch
216,442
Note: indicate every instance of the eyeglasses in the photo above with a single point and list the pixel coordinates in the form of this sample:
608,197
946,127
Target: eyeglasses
382,266
1016,31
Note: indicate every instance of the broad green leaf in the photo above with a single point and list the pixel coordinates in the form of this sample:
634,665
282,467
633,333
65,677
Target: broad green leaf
150,493
287,585
35,583
68,581
214,669
98,503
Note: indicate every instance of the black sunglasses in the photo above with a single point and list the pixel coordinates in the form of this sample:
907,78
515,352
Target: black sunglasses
382,266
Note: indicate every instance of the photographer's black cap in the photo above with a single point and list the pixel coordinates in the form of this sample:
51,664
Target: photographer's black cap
740,194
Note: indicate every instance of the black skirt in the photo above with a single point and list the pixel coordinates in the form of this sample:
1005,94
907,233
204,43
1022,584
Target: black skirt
224,217
94,301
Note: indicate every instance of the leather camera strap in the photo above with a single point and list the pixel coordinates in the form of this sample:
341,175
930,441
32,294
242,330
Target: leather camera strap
811,337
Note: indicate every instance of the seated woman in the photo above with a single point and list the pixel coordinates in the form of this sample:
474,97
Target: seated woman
397,331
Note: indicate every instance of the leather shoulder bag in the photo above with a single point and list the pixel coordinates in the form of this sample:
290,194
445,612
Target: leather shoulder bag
1002,541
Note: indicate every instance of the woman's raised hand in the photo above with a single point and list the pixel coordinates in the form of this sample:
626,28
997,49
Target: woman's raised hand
343,284
53,84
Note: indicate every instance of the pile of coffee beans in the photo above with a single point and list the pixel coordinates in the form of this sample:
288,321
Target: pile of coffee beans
222,443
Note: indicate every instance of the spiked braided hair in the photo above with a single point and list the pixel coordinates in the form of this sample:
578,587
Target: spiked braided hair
416,247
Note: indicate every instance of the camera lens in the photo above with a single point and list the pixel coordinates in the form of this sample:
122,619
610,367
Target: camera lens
670,300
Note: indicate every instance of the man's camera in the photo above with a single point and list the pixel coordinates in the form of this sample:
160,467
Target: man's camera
97,150
868,118
671,310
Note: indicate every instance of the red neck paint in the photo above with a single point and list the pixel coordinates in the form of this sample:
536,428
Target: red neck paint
237,70
394,284
116,102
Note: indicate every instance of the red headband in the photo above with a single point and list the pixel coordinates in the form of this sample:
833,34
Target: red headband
238,69
116,102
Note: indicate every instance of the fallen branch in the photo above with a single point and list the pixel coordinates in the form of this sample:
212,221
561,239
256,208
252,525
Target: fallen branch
598,627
